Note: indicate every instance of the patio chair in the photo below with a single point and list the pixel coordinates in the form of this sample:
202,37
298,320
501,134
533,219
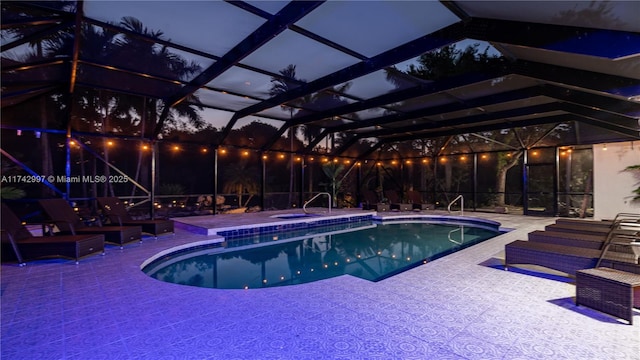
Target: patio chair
61,215
371,202
415,198
396,201
567,259
16,238
115,210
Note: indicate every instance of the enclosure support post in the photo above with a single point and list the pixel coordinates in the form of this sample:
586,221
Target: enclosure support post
475,180
215,181
67,166
263,166
358,185
301,194
152,195
525,182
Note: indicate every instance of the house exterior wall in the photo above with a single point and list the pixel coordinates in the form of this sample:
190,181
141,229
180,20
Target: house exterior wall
612,186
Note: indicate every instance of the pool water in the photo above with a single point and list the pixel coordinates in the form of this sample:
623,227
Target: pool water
370,251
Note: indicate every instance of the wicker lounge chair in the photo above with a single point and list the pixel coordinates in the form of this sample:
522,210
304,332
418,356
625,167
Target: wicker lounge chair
625,218
587,230
416,201
17,239
115,210
626,221
567,259
620,244
396,201
568,221
370,202
62,215
568,239
578,229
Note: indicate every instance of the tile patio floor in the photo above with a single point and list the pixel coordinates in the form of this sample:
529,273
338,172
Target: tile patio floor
463,306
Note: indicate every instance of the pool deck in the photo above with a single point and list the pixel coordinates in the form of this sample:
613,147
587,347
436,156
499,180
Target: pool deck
462,306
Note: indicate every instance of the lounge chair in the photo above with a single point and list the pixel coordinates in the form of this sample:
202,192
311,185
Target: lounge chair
624,220
416,201
570,221
568,239
587,230
115,210
370,202
62,215
18,239
396,201
567,259
579,240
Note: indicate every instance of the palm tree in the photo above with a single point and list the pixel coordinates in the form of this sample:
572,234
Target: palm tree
240,179
39,53
280,85
161,62
105,111
333,170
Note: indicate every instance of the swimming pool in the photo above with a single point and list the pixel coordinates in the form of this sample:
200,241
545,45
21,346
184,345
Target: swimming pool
371,250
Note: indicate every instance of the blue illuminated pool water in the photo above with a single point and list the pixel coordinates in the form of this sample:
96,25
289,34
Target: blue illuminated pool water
371,250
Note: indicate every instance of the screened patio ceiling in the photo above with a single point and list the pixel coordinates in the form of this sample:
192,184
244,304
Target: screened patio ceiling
573,65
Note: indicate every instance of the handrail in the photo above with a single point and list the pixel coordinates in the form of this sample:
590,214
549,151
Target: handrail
304,207
461,204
